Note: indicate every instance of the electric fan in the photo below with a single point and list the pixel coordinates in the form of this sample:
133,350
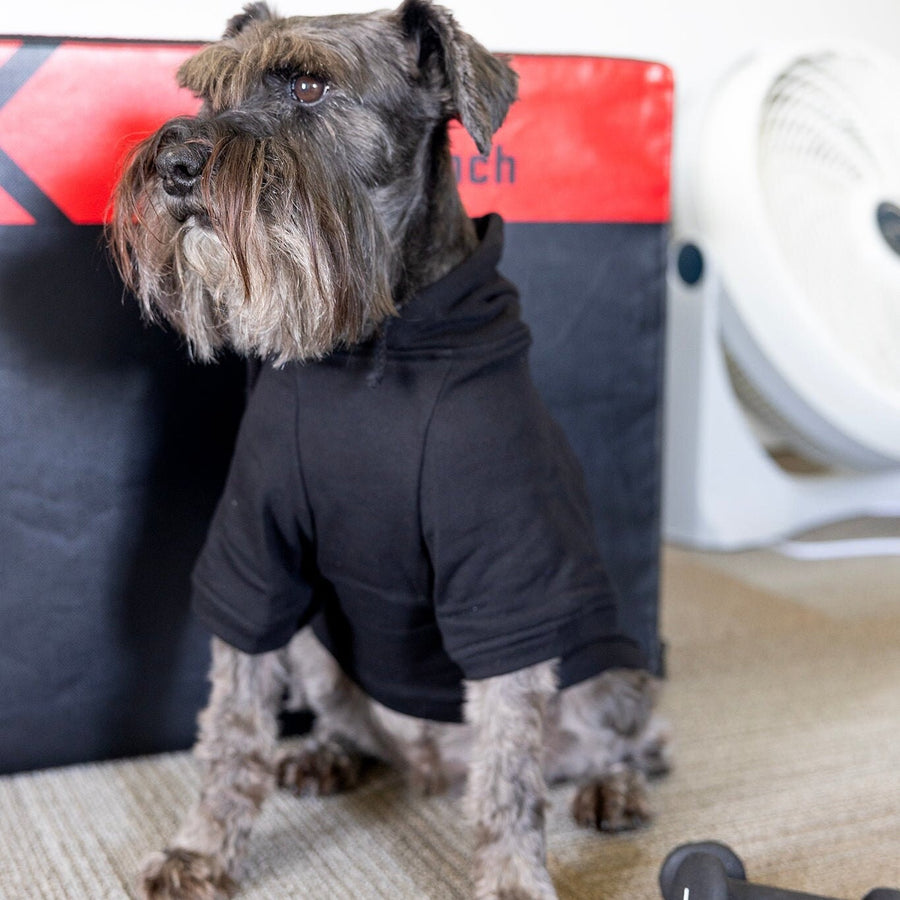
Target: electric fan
784,300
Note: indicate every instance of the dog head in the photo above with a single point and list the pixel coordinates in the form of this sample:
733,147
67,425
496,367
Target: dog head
275,221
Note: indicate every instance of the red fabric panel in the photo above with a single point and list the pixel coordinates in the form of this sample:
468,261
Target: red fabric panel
71,124
11,213
588,141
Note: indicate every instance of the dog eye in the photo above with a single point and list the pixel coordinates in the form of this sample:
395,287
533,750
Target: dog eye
308,89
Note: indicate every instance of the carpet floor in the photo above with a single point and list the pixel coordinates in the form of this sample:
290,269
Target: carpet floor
783,692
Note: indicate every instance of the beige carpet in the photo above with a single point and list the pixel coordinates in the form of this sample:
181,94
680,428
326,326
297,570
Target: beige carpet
784,690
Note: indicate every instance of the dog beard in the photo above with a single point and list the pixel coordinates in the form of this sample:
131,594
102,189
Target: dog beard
275,253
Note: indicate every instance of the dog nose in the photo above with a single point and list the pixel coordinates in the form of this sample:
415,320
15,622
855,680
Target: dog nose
180,166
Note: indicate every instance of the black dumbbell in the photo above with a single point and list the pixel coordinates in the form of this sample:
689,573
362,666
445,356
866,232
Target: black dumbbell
712,871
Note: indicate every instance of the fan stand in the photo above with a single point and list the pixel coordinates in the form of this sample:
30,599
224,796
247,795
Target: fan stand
721,490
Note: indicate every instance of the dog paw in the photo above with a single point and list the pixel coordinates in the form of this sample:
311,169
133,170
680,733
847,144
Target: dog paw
520,894
536,889
427,782
614,802
319,767
503,873
184,875
653,753
655,759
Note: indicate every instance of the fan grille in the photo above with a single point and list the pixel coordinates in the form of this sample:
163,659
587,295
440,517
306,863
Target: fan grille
829,167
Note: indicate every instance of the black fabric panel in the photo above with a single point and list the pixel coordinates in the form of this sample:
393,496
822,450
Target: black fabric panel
113,448
594,298
112,452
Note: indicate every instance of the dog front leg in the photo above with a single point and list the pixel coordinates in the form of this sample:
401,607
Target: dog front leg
506,794
235,749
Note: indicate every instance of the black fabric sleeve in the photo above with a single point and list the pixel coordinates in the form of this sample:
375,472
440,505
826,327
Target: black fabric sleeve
249,584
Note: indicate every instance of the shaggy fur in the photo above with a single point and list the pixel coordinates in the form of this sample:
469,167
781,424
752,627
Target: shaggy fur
520,733
310,198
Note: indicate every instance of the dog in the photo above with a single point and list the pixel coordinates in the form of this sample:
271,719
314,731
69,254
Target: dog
403,545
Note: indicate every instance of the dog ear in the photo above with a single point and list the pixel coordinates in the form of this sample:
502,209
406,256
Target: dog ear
481,86
252,12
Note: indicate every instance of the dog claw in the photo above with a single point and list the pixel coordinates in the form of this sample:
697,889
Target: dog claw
185,875
614,802
319,767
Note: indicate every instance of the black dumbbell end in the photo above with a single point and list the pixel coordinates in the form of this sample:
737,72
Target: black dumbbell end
700,870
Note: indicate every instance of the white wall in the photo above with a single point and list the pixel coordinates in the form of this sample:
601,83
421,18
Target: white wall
696,37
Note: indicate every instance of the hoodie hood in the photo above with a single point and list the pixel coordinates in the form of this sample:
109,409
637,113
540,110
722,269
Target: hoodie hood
471,306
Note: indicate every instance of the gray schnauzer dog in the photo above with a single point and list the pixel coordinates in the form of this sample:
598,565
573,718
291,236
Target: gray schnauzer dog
403,545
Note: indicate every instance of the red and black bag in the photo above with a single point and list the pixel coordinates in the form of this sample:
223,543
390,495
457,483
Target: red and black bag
113,446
